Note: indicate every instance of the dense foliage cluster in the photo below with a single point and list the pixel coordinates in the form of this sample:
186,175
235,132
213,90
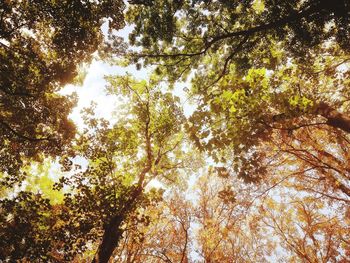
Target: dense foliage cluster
258,172
42,44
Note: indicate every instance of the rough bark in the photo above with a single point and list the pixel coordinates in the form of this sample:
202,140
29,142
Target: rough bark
334,118
112,231
344,189
111,236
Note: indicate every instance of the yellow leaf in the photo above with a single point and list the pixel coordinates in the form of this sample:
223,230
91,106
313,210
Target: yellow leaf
258,6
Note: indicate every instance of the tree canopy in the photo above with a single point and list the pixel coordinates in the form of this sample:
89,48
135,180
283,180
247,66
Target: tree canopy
42,44
256,67
259,171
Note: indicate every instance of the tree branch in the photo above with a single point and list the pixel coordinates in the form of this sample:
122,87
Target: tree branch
22,136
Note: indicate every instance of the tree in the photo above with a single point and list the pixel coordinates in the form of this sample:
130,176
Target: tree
209,36
259,68
206,227
250,34
42,44
156,130
166,237
223,215
144,144
306,232
270,82
228,221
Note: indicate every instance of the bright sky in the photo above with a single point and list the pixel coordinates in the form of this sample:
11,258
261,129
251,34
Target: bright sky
93,88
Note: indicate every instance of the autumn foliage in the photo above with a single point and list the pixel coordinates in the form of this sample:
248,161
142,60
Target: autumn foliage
249,163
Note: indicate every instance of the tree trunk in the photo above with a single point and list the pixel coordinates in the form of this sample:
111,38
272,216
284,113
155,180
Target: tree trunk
112,232
344,189
334,118
111,237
